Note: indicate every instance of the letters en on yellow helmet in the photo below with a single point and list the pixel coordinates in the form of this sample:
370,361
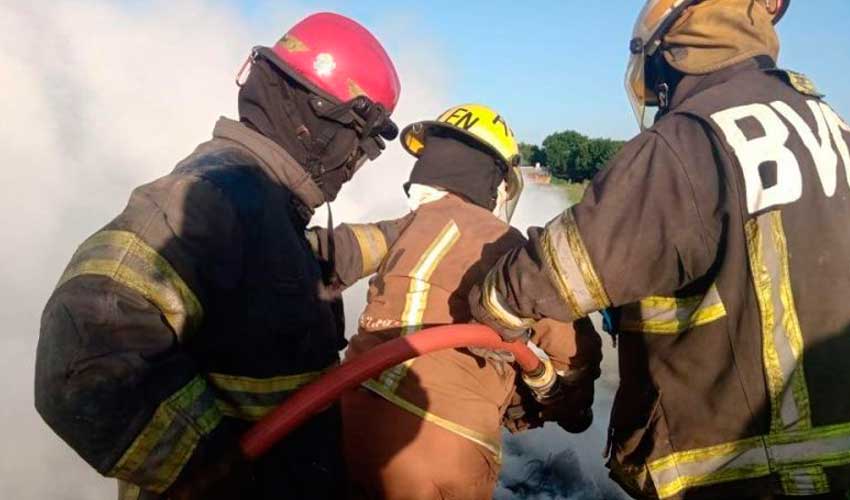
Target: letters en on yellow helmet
480,123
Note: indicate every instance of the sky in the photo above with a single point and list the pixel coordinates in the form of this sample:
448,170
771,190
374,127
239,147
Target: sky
550,65
100,96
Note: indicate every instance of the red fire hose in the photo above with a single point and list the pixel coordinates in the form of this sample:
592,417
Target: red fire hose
318,395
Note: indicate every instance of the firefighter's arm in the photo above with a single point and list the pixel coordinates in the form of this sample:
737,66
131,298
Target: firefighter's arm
113,378
358,249
638,231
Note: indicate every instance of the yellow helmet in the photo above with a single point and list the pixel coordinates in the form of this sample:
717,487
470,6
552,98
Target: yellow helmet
483,125
480,123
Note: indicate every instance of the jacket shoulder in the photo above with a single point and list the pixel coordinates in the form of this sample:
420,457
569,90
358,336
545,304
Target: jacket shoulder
798,81
232,172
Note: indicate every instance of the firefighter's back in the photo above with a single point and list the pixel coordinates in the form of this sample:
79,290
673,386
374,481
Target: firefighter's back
767,326
431,425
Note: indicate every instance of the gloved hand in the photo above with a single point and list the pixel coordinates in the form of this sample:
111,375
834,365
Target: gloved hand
523,412
568,404
225,477
485,317
572,409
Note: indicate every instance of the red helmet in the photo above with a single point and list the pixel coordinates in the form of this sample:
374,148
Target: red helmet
337,58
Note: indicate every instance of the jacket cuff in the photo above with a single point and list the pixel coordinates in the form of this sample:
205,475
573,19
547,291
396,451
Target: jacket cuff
158,454
495,306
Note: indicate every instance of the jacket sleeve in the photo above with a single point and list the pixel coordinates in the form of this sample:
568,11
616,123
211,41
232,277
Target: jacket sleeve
358,248
644,227
113,376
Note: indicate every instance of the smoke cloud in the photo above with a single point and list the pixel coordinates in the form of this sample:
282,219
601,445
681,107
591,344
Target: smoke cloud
99,97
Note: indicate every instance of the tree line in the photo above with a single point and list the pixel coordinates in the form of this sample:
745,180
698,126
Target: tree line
570,155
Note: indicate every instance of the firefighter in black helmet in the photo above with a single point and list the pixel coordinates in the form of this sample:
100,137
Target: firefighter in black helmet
719,238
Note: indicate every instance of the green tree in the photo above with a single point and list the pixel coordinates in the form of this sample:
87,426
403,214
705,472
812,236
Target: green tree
576,157
566,153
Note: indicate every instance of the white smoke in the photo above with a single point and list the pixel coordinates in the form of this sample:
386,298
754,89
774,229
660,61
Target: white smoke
98,97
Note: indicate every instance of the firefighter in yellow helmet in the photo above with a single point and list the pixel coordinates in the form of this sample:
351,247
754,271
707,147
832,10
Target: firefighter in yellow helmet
430,428
717,239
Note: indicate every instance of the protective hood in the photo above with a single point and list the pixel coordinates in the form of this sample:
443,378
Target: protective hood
460,168
327,138
421,194
716,34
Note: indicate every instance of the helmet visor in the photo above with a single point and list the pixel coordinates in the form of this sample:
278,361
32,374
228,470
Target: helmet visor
644,102
515,186
645,42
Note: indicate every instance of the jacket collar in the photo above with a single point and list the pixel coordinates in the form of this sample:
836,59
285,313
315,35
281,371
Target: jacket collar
691,85
273,159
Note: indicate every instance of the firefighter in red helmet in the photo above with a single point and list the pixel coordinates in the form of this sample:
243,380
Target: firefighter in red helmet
719,237
201,306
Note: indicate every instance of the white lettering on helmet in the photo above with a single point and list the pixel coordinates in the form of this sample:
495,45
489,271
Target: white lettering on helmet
754,153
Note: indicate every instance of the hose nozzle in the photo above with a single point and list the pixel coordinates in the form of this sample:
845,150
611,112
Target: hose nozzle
543,381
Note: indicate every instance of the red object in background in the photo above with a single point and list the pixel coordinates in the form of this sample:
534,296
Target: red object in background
340,58
318,395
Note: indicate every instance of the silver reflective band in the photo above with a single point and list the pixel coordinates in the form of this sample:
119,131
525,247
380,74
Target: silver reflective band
570,267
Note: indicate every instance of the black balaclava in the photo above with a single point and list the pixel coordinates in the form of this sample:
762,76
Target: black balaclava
459,167
663,79
319,134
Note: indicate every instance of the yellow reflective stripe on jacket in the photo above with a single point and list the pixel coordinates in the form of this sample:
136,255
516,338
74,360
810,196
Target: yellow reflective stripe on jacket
125,258
158,454
793,451
570,268
373,246
417,295
781,333
476,437
782,340
127,491
248,398
671,315
798,456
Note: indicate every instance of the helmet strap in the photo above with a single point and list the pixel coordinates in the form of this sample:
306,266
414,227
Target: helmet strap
663,79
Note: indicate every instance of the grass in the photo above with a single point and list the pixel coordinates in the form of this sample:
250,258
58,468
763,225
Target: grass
574,190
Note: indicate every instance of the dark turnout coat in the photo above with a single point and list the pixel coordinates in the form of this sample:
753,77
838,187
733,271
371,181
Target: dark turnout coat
720,234
191,315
